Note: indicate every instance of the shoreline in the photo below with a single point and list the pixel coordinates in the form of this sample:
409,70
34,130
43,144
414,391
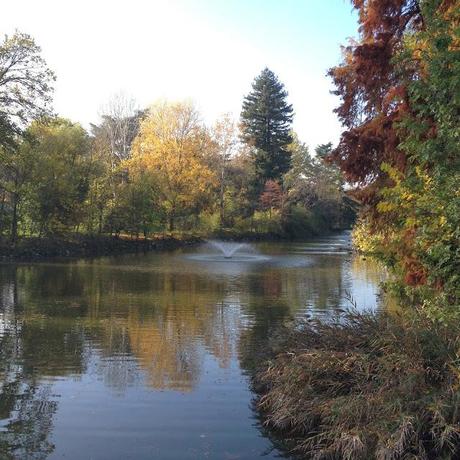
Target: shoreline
250,237
36,249
85,246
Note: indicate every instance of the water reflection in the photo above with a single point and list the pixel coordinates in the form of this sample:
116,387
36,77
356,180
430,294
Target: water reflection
113,329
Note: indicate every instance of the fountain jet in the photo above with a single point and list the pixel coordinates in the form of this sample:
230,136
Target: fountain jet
228,249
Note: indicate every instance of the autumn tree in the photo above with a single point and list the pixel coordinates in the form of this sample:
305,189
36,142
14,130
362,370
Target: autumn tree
373,93
172,145
266,119
399,87
272,196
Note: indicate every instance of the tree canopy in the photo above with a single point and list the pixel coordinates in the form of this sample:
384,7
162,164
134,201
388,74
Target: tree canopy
140,171
172,145
25,85
400,89
266,119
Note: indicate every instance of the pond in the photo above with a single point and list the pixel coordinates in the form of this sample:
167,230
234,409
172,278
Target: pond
147,356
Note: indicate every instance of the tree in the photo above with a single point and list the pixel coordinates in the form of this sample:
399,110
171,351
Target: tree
25,86
136,208
266,118
225,137
271,197
315,188
373,96
239,194
172,145
328,176
301,164
120,125
15,174
59,161
101,185
25,95
399,86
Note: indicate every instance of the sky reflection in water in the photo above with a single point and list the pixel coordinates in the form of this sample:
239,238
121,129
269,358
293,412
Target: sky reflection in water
146,356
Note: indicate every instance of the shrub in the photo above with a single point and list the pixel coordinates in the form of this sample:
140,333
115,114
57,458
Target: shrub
364,386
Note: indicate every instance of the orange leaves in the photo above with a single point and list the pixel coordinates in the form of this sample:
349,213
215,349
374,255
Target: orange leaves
376,16
395,98
272,195
374,96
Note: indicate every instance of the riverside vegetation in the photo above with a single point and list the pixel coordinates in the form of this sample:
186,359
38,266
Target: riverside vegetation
386,385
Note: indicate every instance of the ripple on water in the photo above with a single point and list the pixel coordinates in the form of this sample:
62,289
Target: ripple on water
222,258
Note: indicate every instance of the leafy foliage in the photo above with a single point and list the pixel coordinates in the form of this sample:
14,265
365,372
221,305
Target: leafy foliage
400,91
172,145
57,155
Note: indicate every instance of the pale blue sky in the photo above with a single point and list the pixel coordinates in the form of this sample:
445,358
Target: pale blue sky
205,50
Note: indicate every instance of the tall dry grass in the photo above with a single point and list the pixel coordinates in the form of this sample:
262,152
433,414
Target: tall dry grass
364,386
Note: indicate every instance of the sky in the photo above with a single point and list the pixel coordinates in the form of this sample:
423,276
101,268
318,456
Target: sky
207,51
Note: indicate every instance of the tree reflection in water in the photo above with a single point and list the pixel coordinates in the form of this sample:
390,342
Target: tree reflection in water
132,326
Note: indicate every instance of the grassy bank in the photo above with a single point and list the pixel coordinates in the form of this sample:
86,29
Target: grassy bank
27,249
365,386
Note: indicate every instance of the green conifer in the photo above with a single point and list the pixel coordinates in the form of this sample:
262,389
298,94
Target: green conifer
266,124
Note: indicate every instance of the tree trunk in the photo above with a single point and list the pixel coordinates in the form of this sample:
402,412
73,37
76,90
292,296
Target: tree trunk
2,210
14,223
171,217
100,221
222,210
222,199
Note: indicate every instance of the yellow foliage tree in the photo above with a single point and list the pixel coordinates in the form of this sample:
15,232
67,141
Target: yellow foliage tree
172,145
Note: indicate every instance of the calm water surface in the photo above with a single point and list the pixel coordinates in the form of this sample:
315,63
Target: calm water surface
146,356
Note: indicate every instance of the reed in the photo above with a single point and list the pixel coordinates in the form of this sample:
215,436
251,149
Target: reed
364,386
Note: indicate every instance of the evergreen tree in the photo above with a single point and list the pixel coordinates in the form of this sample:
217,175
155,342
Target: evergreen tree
266,122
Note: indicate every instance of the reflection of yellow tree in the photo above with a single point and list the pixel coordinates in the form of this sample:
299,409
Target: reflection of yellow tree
169,339
167,321
368,269
168,326
165,350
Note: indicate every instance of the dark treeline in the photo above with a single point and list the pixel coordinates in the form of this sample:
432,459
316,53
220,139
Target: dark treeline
139,172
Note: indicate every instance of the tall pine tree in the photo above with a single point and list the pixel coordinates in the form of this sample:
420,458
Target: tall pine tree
266,123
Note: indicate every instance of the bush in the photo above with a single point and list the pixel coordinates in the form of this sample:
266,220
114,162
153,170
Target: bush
300,223
365,386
